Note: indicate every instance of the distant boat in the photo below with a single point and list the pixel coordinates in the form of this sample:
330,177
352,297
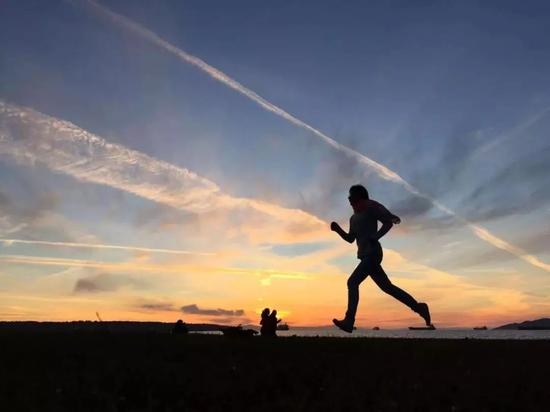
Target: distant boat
376,328
431,327
238,332
283,326
480,328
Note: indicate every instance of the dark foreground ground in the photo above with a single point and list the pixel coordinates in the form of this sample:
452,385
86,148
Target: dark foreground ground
106,371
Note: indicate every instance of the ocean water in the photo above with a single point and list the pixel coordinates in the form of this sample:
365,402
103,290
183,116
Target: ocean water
412,334
420,334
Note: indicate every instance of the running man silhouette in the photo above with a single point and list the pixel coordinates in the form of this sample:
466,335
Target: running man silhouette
364,230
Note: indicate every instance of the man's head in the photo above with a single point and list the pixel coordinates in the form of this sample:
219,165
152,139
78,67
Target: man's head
357,193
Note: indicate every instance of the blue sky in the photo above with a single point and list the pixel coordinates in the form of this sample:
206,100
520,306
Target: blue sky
454,97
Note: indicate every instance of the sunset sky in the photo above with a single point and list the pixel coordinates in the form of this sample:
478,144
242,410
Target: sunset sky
183,159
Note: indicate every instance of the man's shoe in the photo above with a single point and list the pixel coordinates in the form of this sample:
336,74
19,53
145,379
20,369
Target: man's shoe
423,310
344,325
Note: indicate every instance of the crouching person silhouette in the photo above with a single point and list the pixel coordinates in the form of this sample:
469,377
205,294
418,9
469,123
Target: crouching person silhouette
364,229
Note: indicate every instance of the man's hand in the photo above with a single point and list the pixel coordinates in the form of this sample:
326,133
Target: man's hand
348,237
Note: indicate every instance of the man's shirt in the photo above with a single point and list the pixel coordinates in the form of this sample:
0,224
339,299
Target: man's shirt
363,226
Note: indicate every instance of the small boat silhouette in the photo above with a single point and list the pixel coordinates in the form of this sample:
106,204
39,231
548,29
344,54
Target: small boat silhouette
431,327
238,332
283,326
480,328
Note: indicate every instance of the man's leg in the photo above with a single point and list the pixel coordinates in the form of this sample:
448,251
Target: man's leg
381,279
359,275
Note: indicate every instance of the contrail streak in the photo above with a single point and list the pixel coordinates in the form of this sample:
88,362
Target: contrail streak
382,171
220,76
518,130
32,137
101,246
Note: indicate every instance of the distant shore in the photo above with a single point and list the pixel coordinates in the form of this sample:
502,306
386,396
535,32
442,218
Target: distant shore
144,326
99,371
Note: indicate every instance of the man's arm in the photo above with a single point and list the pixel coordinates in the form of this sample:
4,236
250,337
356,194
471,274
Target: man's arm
348,237
386,226
387,218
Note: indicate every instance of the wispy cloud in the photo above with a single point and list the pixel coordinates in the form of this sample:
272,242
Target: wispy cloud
158,307
105,282
132,267
515,132
16,217
8,242
34,138
193,309
382,171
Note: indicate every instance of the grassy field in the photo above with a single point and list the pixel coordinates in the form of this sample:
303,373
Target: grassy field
106,371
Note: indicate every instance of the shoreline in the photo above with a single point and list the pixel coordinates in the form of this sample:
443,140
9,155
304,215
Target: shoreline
122,327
